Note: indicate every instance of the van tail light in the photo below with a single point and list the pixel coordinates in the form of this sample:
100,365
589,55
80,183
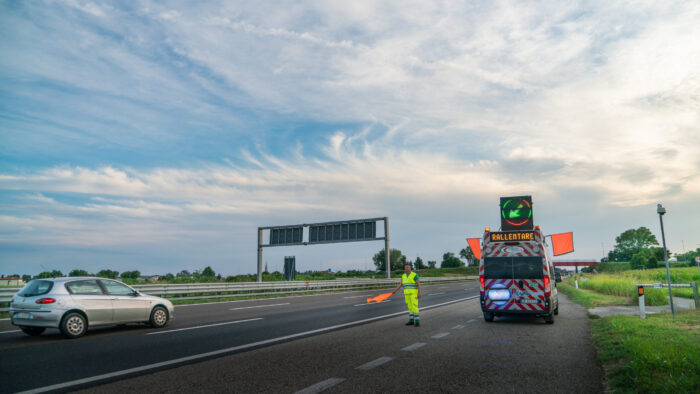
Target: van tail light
547,289
481,284
45,301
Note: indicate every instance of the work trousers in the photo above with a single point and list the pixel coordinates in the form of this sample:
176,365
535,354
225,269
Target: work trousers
412,303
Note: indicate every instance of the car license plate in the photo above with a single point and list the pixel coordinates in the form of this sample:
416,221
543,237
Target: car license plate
23,315
527,301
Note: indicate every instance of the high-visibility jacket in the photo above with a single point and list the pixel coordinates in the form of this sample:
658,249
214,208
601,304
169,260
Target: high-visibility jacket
409,282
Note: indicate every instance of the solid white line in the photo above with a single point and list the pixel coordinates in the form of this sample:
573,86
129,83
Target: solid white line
372,303
257,306
436,293
440,335
374,363
320,386
219,352
413,347
458,327
7,332
206,326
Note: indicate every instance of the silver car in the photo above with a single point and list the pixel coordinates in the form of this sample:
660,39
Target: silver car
74,304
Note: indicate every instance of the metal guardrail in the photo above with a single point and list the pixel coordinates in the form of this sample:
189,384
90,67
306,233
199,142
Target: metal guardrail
640,293
193,291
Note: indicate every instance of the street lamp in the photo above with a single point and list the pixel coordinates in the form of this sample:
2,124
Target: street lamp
661,211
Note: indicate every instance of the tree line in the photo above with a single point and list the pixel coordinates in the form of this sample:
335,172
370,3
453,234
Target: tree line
397,260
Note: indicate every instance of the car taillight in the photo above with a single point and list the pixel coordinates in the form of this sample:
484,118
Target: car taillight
481,284
45,301
547,290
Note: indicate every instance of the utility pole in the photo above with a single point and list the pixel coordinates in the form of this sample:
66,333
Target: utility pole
662,211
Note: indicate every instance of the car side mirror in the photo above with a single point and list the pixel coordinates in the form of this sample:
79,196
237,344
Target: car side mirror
135,294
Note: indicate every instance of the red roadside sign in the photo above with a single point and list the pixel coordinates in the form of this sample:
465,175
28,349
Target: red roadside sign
697,259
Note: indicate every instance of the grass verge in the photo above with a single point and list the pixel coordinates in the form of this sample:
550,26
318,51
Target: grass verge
652,355
590,298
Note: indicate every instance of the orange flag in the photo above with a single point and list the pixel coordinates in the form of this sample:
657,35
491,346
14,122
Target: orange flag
379,298
562,243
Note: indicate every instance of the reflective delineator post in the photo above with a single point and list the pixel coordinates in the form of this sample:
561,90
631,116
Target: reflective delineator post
642,312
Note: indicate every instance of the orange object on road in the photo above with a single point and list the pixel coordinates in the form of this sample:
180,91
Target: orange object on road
379,298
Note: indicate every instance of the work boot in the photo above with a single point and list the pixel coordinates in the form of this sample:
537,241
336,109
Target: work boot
410,323
417,323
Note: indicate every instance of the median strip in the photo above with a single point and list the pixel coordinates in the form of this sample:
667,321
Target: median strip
205,326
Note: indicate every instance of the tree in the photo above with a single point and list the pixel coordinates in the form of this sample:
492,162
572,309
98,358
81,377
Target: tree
638,261
108,274
26,278
169,276
396,258
44,275
184,274
209,273
419,264
449,260
468,255
130,275
631,242
432,263
77,272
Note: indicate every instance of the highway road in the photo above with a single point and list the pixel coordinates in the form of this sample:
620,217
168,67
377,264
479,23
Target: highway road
334,341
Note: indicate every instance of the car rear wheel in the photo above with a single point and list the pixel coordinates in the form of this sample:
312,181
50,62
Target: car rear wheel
549,319
488,316
74,325
33,331
159,317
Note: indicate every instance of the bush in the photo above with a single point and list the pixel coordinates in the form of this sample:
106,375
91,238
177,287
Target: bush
638,261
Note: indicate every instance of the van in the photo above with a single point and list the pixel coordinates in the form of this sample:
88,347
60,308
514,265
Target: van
516,275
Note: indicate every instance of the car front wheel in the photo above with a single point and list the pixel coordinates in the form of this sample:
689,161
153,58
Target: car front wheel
74,325
33,331
159,317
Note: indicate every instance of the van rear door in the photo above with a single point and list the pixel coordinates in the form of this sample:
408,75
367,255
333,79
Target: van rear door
514,283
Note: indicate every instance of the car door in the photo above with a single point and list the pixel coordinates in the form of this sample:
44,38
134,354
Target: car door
88,295
128,305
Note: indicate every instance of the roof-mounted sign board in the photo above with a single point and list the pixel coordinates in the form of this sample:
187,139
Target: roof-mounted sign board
516,213
511,236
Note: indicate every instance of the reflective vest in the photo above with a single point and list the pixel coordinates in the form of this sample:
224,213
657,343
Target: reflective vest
409,282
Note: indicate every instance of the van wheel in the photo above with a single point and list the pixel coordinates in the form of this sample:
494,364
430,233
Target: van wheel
33,331
488,316
73,325
549,319
159,317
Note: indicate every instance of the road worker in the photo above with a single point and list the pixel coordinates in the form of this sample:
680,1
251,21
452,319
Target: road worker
411,291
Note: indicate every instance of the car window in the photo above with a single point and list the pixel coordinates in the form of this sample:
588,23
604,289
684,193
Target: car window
36,288
116,288
84,287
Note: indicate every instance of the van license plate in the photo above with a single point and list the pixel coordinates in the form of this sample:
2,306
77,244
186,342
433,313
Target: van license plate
523,301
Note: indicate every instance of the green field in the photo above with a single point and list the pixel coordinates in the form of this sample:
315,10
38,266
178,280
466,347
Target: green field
652,355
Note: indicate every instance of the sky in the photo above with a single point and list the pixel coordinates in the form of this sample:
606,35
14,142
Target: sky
158,136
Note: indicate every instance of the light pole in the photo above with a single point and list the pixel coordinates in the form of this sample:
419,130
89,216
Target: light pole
661,211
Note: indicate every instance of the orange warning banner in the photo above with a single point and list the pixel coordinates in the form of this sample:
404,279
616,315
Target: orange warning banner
475,246
562,243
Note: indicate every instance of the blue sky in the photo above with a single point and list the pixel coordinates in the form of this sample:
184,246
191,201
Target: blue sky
158,136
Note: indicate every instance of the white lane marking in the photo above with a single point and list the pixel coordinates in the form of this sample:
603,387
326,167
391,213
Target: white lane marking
413,347
471,321
205,326
359,296
436,293
7,332
479,316
213,353
372,303
458,327
443,287
440,335
7,318
374,363
320,386
257,306
262,299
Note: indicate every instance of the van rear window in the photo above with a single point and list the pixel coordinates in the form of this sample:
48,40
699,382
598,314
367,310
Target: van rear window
513,268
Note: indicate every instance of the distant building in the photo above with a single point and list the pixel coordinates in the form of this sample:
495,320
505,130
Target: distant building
11,281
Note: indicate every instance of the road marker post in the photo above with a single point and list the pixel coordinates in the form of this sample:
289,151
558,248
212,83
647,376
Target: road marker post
642,312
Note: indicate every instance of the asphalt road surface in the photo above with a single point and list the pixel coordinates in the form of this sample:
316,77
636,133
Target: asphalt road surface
335,342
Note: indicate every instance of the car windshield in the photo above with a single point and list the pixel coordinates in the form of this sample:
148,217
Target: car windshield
36,288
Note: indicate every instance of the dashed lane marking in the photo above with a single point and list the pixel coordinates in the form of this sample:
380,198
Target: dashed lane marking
258,306
320,386
440,335
359,296
7,332
436,293
413,347
458,327
372,303
205,326
374,363
471,321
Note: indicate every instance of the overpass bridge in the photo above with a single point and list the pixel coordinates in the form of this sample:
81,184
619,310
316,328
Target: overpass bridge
575,263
